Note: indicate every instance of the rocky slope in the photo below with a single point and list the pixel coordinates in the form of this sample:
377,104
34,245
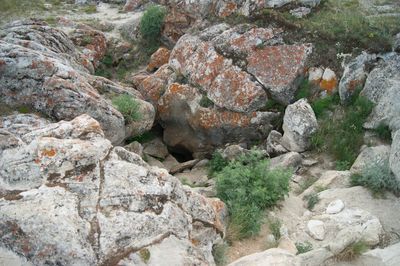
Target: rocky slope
77,187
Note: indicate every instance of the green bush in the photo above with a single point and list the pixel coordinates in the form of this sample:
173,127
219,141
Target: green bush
378,178
320,106
152,22
303,247
383,132
342,136
248,185
217,163
304,90
127,106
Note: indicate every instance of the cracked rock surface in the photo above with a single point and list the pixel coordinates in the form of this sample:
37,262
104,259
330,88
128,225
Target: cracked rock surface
68,197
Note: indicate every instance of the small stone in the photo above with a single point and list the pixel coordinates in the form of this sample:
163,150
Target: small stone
316,229
315,74
335,207
300,12
329,81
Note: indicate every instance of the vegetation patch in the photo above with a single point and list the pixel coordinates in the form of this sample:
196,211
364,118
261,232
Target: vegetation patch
378,179
303,247
128,107
219,253
353,251
206,102
217,163
312,199
383,132
274,225
145,255
342,135
248,186
152,22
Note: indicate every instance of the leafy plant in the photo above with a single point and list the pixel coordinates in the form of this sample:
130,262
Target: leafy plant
144,255
152,22
343,165
319,106
312,199
304,90
248,185
128,107
378,178
303,247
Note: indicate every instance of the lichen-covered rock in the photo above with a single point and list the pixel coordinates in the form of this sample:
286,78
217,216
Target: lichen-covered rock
354,75
370,156
158,59
48,79
382,88
67,196
299,122
190,127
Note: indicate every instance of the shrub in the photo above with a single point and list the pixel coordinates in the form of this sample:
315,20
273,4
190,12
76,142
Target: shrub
303,247
248,185
219,254
304,90
378,178
320,106
342,136
152,22
217,163
312,199
128,107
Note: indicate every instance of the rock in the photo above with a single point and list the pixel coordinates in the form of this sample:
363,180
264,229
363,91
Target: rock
93,43
396,44
395,155
184,166
234,152
49,80
335,207
354,75
378,155
299,123
315,75
130,30
202,164
382,88
156,148
388,256
315,257
316,229
131,5
193,128
291,160
273,145
271,241
158,59
106,201
328,81
135,147
270,257
152,161
331,179
170,162
280,3
300,12
287,244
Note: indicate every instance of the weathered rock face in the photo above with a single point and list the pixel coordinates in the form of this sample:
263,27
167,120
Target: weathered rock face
394,160
354,75
67,196
49,79
299,123
194,128
158,59
270,257
382,87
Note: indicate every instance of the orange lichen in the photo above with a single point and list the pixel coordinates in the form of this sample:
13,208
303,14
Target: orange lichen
328,85
48,153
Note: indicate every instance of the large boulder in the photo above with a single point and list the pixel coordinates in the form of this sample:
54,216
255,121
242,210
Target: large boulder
299,123
382,87
394,159
69,197
270,257
190,127
39,69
